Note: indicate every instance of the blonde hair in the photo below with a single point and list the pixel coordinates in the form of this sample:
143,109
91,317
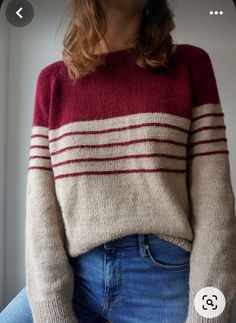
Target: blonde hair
154,44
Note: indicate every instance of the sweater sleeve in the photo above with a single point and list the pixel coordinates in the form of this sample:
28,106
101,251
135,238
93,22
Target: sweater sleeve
49,276
212,202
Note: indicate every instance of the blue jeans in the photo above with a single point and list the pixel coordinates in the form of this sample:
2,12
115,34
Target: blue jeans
139,278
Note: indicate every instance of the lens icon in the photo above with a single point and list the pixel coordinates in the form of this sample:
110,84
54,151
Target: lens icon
209,302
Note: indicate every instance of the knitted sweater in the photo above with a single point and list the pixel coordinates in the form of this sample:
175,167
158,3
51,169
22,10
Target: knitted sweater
124,151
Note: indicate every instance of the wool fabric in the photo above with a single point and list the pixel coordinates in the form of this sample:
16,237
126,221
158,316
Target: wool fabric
123,151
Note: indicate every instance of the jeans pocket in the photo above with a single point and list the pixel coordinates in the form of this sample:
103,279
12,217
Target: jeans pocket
168,256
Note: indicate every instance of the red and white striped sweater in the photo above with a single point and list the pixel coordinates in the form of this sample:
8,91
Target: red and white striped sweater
125,150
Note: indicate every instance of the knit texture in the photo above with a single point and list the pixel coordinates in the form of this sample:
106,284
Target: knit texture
123,151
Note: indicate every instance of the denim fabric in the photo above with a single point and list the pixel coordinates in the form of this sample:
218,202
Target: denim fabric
139,278
18,310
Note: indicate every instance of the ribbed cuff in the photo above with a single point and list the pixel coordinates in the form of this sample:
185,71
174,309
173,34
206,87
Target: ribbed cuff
194,317
52,311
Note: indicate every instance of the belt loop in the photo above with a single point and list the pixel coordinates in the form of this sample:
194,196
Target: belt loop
141,243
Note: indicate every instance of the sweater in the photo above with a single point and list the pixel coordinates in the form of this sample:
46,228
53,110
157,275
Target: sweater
123,151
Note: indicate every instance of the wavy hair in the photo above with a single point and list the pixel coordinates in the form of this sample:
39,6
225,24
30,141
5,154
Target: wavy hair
153,44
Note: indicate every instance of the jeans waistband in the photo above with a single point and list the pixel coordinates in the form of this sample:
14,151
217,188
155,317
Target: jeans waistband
132,240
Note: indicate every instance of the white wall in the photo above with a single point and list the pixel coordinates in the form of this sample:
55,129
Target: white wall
35,46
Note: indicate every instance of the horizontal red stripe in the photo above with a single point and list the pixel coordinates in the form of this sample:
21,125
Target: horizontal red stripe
207,142
207,128
39,157
94,132
41,168
38,135
123,143
221,114
209,153
116,158
122,172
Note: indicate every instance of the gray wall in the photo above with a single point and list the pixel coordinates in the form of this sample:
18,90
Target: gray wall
32,48
3,118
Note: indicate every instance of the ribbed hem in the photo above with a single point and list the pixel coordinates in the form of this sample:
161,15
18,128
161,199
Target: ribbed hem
184,243
52,311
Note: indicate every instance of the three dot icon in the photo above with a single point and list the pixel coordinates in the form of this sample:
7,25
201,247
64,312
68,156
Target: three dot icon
216,13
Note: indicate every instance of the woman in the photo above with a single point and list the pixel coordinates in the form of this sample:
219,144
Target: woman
130,208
